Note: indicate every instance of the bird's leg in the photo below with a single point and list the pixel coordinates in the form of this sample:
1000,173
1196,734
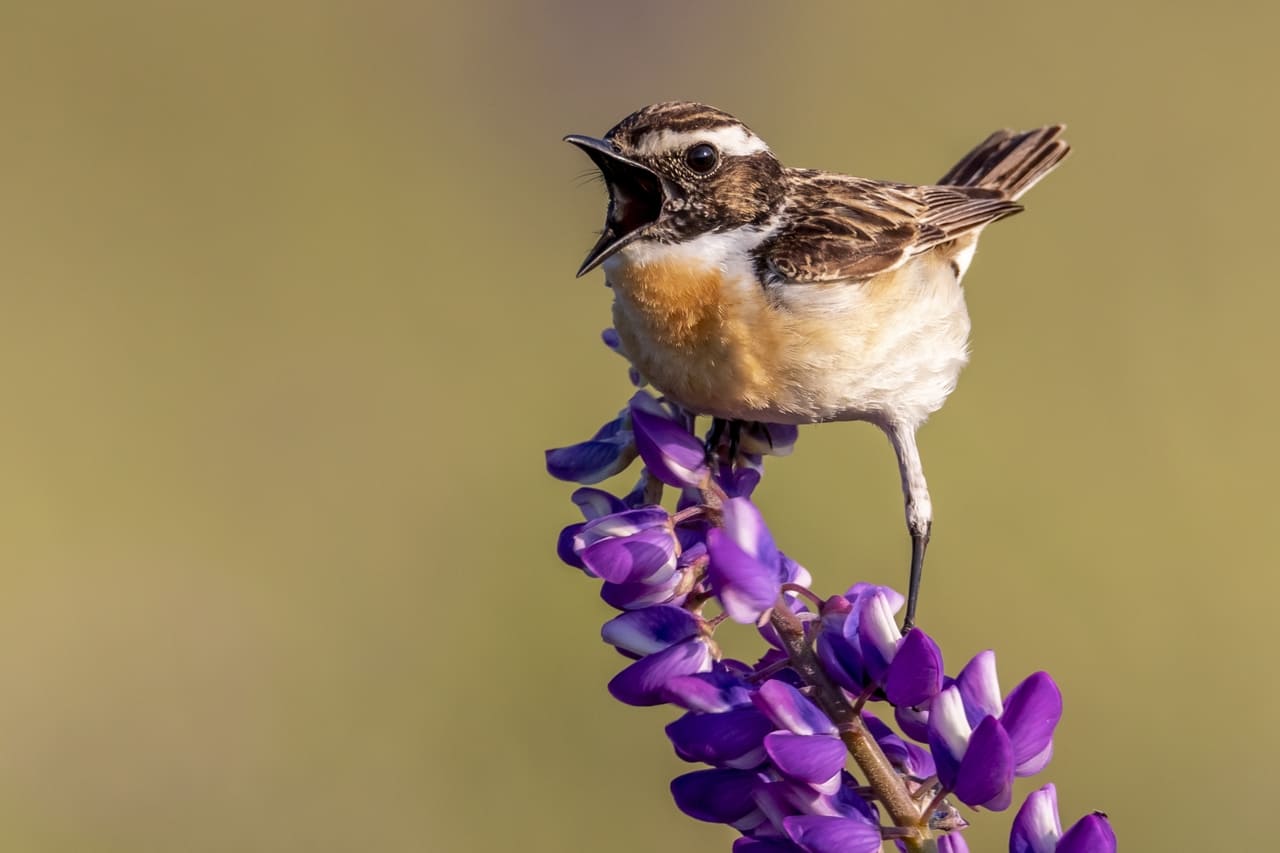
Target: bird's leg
735,439
915,492
716,433
713,437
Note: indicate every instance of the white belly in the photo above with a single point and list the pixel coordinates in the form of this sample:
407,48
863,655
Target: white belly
889,350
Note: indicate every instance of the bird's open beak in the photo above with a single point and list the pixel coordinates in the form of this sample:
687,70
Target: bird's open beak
637,195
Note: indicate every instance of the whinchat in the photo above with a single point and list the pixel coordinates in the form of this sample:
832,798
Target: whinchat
750,291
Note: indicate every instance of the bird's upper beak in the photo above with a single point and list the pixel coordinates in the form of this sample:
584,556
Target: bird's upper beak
637,195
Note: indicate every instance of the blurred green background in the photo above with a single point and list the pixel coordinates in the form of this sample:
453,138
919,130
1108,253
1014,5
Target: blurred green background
288,315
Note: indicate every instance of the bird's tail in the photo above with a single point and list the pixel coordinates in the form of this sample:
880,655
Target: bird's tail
1010,162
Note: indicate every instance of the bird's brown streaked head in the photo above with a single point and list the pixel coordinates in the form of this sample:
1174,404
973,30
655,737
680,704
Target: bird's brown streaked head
677,170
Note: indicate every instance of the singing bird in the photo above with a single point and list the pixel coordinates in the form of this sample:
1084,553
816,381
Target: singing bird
747,290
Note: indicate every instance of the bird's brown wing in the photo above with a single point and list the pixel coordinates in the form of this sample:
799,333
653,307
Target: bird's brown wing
839,228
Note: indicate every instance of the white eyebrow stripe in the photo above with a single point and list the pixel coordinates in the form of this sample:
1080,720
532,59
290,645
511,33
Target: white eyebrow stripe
735,141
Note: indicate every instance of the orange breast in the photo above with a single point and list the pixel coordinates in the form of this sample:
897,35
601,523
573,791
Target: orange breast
709,342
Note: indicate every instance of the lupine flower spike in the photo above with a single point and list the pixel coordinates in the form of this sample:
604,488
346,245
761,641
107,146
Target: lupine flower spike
800,758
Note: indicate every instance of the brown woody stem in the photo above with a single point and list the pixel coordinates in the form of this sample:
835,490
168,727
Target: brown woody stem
881,777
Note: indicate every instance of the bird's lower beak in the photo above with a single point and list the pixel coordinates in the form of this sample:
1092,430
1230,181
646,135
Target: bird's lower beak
637,196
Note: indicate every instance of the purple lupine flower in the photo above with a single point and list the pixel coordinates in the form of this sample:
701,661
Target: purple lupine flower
593,503
608,452
861,647
719,796
805,748
845,814
636,545
822,834
981,743
746,567
1030,712
643,682
974,763
710,692
670,452
637,633
734,737
1037,829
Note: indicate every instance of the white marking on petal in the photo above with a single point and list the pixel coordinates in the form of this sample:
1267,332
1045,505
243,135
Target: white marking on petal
880,625
986,683
1044,828
946,715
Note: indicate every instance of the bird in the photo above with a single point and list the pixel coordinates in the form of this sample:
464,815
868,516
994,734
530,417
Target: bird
750,291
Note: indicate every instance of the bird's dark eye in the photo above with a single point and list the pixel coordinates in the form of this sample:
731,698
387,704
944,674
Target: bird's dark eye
702,158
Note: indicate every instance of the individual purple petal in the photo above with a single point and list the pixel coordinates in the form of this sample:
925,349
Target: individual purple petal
649,555
591,461
949,734
818,834
596,502
734,738
739,482
813,759
906,757
1090,834
744,524
1031,713
919,763
791,710
841,661
651,629
791,797
623,524
985,776
565,549
914,722
611,340
793,572
746,587
891,595
633,596
717,795
878,635
1035,763
1036,828
765,845
980,688
915,675
709,692
774,800
952,842
693,547
642,682
848,802
670,452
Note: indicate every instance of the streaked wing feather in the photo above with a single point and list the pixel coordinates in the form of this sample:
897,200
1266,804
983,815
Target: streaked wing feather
849,229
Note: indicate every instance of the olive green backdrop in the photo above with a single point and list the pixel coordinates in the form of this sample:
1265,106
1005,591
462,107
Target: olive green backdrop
288,315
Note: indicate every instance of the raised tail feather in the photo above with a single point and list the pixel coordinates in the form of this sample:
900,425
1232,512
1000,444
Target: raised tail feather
1010,162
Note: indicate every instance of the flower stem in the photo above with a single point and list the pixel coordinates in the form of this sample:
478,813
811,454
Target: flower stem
880,774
